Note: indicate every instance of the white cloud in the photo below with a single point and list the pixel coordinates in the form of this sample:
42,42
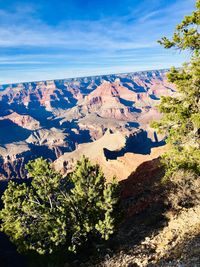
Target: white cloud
107,45
22,29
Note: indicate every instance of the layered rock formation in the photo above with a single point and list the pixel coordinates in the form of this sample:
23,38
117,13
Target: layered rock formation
51,118
24,121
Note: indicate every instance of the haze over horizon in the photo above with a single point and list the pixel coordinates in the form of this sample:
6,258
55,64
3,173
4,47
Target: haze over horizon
42,40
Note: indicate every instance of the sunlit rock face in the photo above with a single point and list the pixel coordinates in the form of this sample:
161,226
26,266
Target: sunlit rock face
52,118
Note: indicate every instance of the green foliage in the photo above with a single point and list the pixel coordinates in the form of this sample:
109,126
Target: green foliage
55,213
92,203
186,35
181,114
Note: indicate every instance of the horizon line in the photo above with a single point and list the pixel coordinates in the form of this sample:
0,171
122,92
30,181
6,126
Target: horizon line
81,77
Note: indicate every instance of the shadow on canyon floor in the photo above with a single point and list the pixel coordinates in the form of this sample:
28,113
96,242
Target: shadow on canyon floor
11,132
140,144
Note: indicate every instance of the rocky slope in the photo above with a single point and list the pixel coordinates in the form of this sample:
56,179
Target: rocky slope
50,118
151,233
177,244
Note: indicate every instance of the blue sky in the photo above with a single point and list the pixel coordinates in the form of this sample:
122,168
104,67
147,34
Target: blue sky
49,39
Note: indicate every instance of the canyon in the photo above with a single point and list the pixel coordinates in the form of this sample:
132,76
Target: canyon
106,118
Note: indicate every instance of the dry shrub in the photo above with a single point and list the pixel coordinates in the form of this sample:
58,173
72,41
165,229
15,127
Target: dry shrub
184,190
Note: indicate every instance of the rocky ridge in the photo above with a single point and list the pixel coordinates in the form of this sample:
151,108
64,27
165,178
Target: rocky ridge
51,118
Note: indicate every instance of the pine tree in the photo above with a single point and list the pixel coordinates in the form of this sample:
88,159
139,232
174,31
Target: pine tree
33,216
181,114
92,203
55,213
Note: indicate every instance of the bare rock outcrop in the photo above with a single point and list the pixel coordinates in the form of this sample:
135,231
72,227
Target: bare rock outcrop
24,121
13,157
114,152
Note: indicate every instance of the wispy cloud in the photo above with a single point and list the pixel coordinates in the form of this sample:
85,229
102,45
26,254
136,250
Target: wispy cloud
118,42
24,28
